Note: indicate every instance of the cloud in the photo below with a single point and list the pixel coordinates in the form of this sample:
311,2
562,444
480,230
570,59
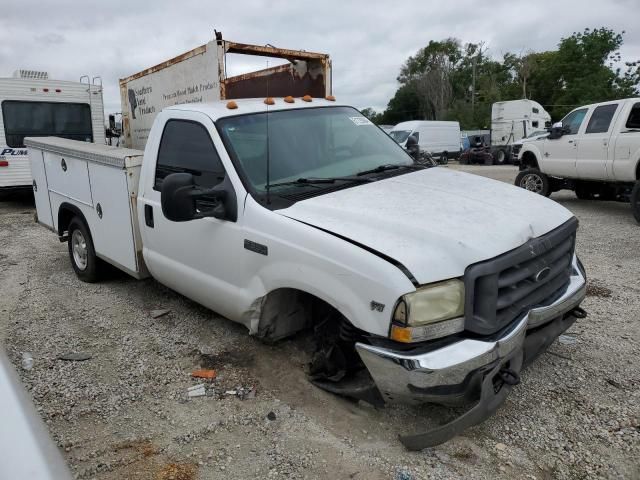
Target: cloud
368,40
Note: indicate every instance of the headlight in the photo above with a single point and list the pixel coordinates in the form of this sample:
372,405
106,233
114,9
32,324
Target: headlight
432,311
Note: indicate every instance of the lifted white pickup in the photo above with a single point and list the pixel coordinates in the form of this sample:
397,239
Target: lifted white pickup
594,150
421,284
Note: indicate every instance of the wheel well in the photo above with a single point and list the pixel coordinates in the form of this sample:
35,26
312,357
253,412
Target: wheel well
638,171
286,311
529,160
66,213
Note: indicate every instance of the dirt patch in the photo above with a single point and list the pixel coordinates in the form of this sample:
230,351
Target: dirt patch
595,289
177,471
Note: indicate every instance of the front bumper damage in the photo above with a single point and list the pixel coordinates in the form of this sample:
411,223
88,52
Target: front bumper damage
478,370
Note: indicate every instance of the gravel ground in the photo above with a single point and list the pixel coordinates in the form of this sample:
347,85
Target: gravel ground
124,413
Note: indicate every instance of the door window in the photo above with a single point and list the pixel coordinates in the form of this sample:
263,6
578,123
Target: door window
634,117
574,120
601,118
186,147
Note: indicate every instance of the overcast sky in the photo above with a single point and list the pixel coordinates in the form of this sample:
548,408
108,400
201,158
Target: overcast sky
367,40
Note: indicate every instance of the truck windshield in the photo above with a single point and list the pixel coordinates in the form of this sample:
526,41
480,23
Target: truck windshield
400,135
325,142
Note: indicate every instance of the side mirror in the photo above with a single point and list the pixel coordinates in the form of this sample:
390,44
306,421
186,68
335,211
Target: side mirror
412,142
182,200
558,130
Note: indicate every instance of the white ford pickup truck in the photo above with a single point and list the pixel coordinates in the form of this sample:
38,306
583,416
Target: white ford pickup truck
420,284
594,150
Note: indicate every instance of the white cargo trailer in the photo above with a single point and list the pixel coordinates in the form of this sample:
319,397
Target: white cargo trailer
32,105
200,75
512,121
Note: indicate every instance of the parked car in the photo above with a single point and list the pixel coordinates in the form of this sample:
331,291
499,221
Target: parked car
594,151
440,139
421,284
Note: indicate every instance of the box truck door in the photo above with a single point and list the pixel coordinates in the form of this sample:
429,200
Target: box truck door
40,187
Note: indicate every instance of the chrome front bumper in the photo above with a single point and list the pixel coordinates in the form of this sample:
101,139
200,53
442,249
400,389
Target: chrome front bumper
454,374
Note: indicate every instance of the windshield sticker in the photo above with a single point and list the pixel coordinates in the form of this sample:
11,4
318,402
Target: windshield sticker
360,121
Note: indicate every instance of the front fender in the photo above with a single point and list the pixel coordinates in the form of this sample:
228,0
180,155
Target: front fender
530,156
338,272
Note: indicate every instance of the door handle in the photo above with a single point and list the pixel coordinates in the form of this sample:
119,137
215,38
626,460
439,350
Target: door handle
570,141
148,216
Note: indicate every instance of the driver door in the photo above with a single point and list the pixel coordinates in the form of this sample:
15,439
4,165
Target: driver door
560,154
198,258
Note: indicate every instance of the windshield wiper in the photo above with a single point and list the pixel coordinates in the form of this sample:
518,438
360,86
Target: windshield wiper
319,181
390,166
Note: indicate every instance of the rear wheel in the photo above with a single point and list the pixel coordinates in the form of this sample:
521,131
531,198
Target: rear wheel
501,157
444,158
82,253
534,181
635,201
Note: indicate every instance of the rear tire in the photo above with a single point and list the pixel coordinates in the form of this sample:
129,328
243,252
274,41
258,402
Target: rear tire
635,201
501,157
535,181
82,253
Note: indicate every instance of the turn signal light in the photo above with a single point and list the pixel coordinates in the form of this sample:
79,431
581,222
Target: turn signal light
4,163
400,334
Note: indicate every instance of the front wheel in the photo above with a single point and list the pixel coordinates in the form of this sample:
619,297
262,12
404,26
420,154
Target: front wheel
635,201
534,181
82,253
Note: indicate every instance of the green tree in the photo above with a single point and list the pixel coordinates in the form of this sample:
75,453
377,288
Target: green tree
448,80
371,114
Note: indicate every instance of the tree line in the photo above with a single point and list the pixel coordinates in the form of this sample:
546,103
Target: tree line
448,80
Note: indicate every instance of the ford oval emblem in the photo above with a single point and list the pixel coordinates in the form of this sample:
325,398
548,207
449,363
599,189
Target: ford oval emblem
542,274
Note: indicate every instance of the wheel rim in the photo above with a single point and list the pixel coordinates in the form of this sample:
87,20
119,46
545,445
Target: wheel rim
532,182
79,249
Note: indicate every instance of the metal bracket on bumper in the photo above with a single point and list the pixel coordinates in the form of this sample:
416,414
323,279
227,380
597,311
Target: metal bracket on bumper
491,397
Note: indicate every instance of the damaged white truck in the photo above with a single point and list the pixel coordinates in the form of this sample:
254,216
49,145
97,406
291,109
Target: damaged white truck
419,284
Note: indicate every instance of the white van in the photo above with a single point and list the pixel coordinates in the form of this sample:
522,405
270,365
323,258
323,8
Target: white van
32,105
440,139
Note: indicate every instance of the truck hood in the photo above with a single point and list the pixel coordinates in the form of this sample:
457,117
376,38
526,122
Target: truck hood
435,222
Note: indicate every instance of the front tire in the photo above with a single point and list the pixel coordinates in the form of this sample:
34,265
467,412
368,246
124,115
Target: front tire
82,253
535,181
635,201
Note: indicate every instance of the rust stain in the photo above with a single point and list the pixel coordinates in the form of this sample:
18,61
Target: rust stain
177,471
172,61
234,47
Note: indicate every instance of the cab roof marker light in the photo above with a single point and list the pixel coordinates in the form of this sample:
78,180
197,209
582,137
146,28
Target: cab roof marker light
331,98
307,98
232,105
269,101
289,99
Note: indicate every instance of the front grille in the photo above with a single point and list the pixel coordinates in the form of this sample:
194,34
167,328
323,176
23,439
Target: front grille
502,289
515,150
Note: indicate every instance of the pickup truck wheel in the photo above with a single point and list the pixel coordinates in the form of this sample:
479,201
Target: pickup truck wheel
535,181
635,201
81,252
